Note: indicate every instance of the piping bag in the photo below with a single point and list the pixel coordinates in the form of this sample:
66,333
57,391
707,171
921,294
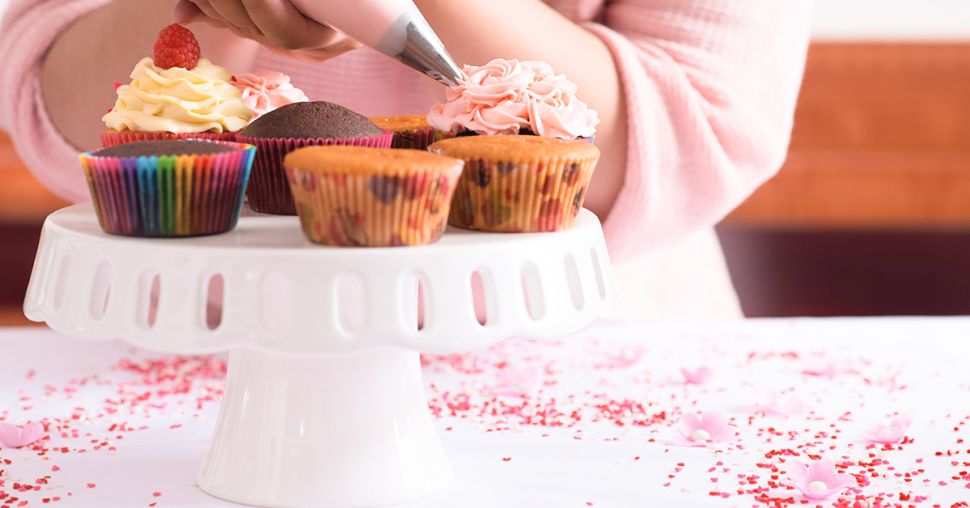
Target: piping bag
395,28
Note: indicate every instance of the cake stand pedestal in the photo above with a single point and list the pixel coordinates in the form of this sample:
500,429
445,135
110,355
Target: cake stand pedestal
324,403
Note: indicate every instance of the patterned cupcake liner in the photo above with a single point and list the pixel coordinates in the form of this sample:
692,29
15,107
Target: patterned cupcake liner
528,196
408,207
269,191
169,196
417,139
112,138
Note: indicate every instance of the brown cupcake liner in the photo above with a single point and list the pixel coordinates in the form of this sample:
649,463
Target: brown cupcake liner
394,208
114,138
269,191
526,196
417,139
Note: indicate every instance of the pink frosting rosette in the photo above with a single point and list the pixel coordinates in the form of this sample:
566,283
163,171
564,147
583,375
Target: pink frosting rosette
508,96
264,91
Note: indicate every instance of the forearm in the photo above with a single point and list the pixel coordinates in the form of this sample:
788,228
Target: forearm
101,48
531,30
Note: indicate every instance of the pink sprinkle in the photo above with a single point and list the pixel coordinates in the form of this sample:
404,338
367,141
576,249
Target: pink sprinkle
92,485
506,459
156,494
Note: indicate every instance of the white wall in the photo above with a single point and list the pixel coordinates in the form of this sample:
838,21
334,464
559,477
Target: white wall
891,19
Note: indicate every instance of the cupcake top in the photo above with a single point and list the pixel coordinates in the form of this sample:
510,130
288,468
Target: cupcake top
312,120
513,148
176,91
401,123
264,91
163,147
509,96
362,159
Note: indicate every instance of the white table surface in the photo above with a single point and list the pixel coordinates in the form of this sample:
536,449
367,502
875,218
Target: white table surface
593,426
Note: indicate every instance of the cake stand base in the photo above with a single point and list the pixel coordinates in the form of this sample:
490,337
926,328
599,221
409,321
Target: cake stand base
347,430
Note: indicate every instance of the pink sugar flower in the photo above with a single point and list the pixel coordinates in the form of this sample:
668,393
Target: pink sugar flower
828,370
517,382
891,432
14,436
781,405
699,430
697,376
817,481
622,359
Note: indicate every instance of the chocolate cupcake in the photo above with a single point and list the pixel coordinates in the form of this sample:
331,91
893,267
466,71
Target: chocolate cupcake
410,131
371,197
515,183
293,126
168,188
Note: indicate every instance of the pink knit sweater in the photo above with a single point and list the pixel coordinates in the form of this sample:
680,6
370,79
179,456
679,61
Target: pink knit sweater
710,91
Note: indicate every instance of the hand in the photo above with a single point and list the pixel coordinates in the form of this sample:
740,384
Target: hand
275,24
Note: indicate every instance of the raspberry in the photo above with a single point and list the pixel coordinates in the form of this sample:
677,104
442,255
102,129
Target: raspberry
176,46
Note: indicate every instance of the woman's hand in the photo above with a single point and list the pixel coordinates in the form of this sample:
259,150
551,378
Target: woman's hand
274,24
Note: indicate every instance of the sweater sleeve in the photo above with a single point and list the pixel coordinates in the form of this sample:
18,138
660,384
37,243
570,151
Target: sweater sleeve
710,89
28,29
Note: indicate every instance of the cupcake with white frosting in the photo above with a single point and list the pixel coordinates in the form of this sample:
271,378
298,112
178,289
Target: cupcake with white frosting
175,94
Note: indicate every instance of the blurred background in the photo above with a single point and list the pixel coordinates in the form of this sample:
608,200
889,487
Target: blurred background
869,216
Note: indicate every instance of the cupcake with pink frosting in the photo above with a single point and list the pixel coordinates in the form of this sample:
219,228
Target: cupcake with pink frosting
514,97
265,91
514,182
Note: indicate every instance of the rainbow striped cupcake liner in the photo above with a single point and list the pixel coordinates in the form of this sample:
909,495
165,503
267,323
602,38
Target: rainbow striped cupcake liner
170,195
269,191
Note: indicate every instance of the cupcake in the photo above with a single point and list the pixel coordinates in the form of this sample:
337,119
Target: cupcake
515,183
175,95
513,97
168,188
371,197
410,131
265,91
293,126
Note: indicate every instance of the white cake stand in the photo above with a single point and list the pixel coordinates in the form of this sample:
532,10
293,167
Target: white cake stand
324,404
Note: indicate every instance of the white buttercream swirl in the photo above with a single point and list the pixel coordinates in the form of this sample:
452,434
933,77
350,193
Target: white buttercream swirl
178,100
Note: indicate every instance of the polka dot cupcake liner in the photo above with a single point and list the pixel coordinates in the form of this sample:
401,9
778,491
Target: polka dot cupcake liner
525,191
520,197
390,209
269,191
